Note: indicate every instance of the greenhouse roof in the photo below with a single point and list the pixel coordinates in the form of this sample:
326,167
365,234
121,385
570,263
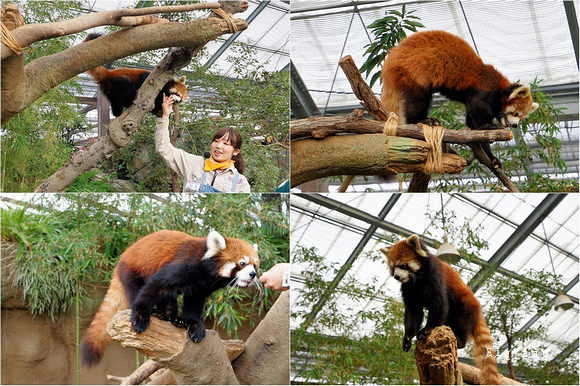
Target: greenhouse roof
524,231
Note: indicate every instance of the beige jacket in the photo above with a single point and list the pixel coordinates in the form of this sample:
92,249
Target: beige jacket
191,166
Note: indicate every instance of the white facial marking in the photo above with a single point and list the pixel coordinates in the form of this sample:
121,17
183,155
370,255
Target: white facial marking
401,275
215,243
245,276
227,269
414,266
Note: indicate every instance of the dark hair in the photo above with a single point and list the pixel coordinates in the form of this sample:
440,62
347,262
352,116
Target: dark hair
236,140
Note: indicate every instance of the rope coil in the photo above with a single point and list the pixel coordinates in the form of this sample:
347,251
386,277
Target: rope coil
9,41
228,18
390,127
434,137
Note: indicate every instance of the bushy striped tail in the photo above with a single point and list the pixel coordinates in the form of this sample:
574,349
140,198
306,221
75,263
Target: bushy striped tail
96,338
484,354
391,97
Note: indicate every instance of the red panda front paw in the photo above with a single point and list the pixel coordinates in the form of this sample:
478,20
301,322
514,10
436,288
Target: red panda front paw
139,321
430,121
407,343
424,333
196,332
496,163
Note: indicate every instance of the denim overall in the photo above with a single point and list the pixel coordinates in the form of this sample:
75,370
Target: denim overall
207,188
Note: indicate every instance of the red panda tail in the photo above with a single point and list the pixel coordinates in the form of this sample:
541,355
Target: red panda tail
391,97
98,73
484,354
96,338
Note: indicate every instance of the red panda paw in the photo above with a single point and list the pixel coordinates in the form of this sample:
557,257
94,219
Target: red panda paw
407,343
496,163
431,122
140,322
196,332
424,333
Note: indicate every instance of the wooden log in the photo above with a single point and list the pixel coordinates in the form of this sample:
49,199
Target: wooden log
436,358
370,154
362,90
190,363
354,123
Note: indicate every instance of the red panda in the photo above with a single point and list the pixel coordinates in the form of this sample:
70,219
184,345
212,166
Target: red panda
120,86
427,282
437,61
153,271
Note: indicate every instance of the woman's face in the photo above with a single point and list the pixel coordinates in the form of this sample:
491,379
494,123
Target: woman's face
222,149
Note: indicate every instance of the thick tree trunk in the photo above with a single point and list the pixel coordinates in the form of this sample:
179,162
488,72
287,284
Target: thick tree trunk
266,360
367,154
46,72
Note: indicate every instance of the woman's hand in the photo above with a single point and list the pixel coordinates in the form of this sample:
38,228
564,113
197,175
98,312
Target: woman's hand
167,106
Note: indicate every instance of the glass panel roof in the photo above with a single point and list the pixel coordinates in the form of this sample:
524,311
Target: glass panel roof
335,235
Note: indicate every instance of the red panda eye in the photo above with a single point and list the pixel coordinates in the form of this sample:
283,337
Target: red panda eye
242,263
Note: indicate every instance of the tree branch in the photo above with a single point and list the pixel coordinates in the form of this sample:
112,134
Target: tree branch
365,154
266,358
171,347
31,33
354,123
47,72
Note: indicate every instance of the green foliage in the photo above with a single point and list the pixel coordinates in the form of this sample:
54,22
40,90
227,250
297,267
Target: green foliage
336,348
87,182
388,32
76,240
34,143
513,302
465,237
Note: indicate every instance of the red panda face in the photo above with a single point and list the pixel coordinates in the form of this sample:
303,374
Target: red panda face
238,259
405,258
518,106
179,90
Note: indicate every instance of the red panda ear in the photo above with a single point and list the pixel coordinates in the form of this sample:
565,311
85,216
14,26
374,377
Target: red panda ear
215,244
181,79
415,242
385,251
521,91
255,247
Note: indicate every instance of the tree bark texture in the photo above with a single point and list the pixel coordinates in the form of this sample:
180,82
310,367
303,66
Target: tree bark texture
436,358
191,363
354,123
46,72
362,90
369,154
263,359
266,360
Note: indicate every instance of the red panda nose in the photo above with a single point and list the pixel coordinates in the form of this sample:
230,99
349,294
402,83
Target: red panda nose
397,277
252,274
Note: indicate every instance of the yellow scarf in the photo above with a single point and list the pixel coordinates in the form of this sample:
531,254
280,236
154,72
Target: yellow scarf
211,165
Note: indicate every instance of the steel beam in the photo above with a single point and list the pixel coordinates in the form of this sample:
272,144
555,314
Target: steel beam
516,239
349,262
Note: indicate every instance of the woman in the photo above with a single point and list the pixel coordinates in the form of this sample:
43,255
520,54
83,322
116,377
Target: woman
221,172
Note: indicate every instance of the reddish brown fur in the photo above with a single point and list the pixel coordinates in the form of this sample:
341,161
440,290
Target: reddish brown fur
428,61
147,256
412,253
100,73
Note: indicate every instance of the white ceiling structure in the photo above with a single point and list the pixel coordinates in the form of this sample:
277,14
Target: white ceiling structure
513,225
